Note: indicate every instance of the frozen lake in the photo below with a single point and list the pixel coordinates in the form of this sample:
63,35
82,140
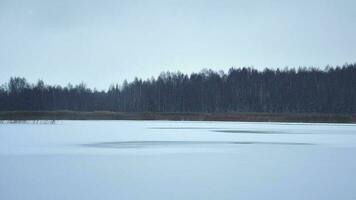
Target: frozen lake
162,160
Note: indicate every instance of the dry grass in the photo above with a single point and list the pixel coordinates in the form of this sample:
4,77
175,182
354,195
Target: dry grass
106,115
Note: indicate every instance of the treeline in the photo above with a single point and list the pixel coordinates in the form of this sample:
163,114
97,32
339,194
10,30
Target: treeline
302,90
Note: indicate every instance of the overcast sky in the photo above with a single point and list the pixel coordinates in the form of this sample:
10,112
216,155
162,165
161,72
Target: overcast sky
105,41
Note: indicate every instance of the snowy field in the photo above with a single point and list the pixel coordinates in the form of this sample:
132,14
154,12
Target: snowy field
159,160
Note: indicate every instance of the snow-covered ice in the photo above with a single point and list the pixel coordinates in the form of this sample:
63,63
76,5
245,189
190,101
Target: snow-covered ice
177,160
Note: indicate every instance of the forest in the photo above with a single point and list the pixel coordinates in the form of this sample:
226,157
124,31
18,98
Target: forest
291,90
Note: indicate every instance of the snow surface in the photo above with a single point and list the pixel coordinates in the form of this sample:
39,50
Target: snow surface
177,160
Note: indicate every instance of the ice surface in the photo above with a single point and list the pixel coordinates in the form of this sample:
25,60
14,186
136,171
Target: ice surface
177,160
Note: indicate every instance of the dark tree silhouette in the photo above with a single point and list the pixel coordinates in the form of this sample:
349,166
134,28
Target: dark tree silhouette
302,90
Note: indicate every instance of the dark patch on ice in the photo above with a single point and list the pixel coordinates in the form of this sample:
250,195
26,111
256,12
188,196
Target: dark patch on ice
184,128
277,132
249,131
255,132
222,130
142,144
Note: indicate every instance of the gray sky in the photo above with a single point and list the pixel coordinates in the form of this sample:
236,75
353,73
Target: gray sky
105,41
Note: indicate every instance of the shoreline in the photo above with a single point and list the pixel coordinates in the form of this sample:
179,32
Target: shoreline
243,117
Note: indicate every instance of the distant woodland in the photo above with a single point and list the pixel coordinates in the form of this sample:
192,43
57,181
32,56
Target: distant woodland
303,90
